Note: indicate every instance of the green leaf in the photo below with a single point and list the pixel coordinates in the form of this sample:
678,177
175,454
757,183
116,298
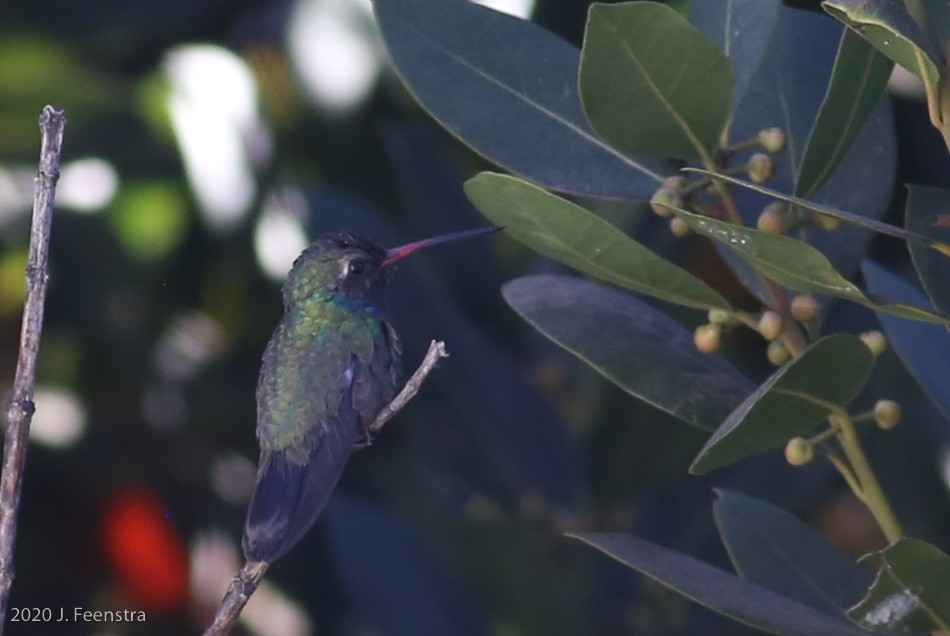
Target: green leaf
567,232
862,182
652,83
633,345
508,89
889,27
857,81
795,264
923,348
848,217
770,547
928,213
787,91
912,590
720,591
823,379
742,29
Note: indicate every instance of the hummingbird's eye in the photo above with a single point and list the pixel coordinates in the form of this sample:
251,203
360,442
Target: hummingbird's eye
356,267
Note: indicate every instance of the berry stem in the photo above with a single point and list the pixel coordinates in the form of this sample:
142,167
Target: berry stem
738,147
868,488
845,471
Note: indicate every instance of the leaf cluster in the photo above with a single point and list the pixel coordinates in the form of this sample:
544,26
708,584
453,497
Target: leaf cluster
653,89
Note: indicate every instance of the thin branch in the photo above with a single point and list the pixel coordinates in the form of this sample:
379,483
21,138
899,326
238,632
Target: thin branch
240,590
20,408
435,353
245,583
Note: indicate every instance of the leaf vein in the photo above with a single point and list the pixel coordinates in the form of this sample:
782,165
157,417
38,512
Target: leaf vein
567,123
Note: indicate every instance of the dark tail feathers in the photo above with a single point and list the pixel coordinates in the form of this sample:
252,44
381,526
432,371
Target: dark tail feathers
289,497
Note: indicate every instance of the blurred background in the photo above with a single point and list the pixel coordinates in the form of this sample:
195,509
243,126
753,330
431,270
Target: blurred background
207,141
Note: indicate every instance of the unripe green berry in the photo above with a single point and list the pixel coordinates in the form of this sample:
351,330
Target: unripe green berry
828,223
664,199
771,325
772,139
804,307
798,451
777,353
760,168
678,227
770,221
887,413
707,337
875,341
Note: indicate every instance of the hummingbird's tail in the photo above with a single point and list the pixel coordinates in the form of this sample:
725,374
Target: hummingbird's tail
289,496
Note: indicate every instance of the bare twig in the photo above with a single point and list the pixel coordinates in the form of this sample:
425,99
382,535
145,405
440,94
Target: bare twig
19,410
240,590
245,583
435,353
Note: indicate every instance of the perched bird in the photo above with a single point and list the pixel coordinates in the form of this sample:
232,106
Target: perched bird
331,366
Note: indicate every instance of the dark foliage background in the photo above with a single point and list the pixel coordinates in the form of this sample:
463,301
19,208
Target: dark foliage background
453,522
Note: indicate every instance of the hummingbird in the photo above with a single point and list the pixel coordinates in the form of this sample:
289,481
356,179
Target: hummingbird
331,366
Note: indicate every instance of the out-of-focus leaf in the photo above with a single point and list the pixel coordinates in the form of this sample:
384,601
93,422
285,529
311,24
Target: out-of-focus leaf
150,219
924,348
936,20
13,261
726,593
890,28
457,519
742,29
508,89
928,213
569,233
652,83
770,547
826,377
859,77
635,346
795,264
37,70
848,217
393,577
912,590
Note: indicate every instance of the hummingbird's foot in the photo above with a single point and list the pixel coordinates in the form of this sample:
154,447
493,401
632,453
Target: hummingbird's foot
365,439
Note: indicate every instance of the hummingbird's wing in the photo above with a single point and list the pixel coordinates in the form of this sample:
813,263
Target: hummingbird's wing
290,496
374,384
313,404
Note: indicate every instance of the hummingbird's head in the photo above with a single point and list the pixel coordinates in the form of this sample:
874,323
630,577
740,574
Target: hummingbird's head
348,267
337,265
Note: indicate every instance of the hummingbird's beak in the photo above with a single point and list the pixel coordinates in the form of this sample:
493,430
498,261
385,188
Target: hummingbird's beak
398,253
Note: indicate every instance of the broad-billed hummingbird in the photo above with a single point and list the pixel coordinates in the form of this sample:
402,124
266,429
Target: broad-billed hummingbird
331,366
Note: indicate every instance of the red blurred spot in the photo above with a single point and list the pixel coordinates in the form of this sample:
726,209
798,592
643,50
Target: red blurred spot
145,551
